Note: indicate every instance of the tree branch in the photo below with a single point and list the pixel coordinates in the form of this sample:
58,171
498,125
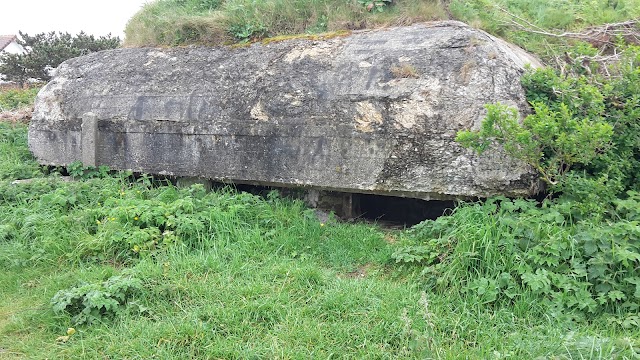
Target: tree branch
596,34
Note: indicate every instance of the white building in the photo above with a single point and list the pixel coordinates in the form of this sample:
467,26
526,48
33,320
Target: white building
9,45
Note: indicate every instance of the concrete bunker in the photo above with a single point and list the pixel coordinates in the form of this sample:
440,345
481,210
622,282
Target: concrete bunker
329,115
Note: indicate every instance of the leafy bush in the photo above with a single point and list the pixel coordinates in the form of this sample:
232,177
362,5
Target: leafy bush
87,303
550,141
582,122
502,250
579,251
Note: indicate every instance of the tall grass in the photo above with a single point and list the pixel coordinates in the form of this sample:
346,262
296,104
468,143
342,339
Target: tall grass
172,22
218,22
232,275
545,14
16,162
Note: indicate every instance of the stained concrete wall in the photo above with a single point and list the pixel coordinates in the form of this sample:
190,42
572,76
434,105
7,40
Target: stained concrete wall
373,112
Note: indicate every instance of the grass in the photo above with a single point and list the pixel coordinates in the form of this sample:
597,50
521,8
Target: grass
16,161
173,22
233,275
14,99
217,22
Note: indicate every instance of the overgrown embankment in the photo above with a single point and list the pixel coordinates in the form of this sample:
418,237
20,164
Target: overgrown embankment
543,27
217,22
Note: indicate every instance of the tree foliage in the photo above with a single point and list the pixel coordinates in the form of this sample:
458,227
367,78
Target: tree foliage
550,140
45,51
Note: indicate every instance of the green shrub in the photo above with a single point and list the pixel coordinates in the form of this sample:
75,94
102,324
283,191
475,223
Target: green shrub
584,122
579,251
614,99
550,141
87,303
502,250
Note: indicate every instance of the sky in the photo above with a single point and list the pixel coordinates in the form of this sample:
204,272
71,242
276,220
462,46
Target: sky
95,17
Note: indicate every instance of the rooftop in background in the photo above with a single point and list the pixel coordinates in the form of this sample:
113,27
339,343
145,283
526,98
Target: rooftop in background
5,40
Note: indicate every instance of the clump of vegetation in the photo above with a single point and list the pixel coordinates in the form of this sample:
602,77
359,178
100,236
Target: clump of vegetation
549,28
16,161
376,5
88,303
176,22
404,71
500,16
580,122
504,251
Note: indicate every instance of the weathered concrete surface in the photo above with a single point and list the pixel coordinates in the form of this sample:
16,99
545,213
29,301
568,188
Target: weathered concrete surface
373,112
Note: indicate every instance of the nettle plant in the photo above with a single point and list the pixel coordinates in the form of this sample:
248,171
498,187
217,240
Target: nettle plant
504,250
87,303
143,221
79,171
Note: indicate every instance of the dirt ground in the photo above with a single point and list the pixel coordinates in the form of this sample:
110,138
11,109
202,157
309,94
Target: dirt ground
17,116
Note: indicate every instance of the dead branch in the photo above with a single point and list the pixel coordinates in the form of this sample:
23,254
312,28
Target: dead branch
599,36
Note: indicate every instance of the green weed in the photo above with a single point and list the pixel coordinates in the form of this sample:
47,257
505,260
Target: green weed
88,303
16,162
376,5
78,171
504,251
